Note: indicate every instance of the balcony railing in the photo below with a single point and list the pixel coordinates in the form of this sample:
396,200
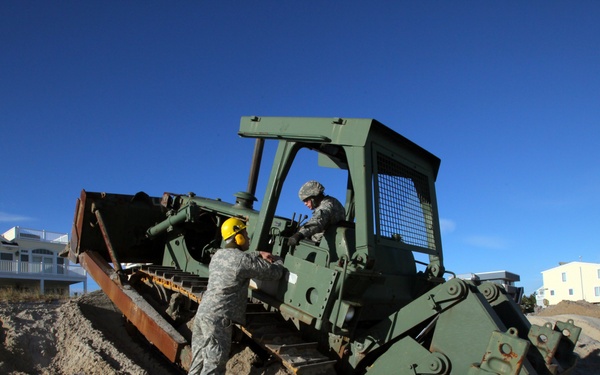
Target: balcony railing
40,269
37,235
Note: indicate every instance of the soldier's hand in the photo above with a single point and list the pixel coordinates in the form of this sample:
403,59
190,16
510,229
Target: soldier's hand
267,256
293,240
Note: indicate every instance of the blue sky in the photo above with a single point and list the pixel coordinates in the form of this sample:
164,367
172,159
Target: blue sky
146,95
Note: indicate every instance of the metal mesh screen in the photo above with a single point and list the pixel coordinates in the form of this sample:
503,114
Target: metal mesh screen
403,204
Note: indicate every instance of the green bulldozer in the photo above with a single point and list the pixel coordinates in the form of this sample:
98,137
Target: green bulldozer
372,297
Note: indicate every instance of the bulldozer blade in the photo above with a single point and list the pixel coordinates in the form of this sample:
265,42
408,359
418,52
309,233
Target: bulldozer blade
137,310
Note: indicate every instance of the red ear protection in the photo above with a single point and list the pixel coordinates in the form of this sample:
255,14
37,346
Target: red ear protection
240,239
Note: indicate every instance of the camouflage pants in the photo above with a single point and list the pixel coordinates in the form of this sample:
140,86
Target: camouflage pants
211,342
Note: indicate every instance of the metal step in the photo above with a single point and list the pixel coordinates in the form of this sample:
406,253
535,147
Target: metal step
284,341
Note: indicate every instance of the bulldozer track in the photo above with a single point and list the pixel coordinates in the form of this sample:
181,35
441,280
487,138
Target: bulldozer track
266,328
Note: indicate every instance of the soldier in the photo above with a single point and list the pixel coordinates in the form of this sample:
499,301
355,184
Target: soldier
224,302
326,211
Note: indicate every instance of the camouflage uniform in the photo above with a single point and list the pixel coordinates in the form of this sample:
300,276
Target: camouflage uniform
329,212
224,304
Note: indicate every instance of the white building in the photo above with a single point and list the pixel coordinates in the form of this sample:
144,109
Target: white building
29,261
572,281
540,296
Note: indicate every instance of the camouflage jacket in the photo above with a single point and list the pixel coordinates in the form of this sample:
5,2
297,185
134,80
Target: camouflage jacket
329,212
230,271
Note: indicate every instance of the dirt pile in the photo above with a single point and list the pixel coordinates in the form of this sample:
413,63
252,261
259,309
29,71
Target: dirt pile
89,336
572,307
84,336
28,337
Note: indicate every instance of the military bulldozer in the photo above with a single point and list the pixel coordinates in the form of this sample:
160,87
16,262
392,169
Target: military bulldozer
372,297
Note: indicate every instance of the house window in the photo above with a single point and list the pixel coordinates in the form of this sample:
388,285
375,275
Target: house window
24,261
597,291
42,251
564,276
551,292
570,292
44,259
6,264
60,266
599,273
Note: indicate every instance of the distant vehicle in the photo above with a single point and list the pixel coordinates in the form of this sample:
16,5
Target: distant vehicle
503,278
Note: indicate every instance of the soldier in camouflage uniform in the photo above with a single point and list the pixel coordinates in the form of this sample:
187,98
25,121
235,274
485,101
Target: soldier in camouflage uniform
326,211
224,302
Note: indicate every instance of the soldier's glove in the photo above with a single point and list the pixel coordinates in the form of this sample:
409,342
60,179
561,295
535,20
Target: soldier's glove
293,240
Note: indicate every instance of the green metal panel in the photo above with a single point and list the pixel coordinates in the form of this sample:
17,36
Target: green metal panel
309,288
319,130
451,327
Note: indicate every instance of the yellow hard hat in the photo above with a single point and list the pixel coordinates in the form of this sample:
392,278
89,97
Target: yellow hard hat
231,227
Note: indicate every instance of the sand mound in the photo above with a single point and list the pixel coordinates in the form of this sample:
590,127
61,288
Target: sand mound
572,307
89,336
84,336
